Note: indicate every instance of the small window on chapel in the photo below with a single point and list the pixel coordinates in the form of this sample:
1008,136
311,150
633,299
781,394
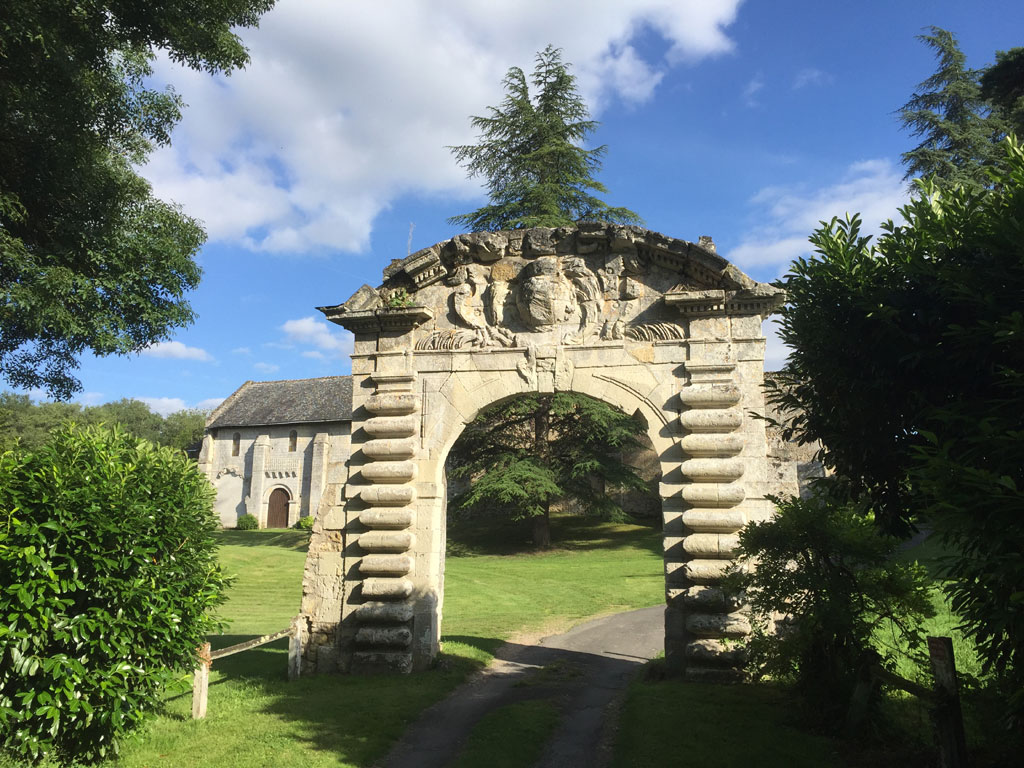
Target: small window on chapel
293,438
236,442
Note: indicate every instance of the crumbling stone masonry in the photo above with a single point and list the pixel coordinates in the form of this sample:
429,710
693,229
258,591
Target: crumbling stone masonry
653,325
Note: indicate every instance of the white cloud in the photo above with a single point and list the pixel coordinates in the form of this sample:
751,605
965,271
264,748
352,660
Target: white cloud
756,84
209,403
164,405
175,350
266,367
811,76
346,106
316,333
787,216
90,398
241,351
315,354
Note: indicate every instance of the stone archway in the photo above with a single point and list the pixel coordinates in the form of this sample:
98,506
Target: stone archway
628,316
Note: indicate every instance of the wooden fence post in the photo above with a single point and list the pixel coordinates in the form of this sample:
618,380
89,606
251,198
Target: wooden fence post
201,683
949,721
295,649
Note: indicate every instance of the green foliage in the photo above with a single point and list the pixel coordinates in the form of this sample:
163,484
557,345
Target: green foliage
110,575
1002,85
247,523
89,259
530,155
304,523
958,128
921,407
827,569
29,424
183,429
524,454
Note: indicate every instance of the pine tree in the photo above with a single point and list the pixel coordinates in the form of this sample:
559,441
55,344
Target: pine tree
958,129
530,154
1002,85
526,454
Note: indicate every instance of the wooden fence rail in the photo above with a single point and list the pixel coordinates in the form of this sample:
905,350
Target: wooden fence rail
943,700
201,678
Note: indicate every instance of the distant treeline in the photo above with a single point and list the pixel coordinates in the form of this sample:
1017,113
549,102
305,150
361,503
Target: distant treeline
29,423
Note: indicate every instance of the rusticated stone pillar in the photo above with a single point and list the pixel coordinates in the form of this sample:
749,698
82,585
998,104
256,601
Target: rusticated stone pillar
384,615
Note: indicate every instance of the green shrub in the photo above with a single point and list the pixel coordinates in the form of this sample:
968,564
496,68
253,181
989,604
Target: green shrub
305,523
824,566
248,523
110,572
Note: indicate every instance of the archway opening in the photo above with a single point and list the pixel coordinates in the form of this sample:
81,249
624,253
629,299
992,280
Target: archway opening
553,515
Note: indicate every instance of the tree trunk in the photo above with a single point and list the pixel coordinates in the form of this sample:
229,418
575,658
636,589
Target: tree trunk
542,522
542,530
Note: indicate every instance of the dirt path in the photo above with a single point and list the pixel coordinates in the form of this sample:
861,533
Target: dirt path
587,667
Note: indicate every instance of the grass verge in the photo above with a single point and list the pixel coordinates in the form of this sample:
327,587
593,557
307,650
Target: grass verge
256,718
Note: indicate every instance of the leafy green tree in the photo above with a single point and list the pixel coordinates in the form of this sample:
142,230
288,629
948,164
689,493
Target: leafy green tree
1002,85
133,416
183,429
921,405
530,154
525,454
826,569
89,259
959,132
110,575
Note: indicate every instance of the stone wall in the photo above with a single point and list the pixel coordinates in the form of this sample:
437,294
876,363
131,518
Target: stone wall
264,462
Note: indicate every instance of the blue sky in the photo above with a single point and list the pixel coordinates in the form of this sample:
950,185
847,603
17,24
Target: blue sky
748,121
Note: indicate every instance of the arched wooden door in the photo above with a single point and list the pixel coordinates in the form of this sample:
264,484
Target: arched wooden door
277,509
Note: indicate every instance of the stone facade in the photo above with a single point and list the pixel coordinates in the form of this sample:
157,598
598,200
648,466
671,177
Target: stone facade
650,324
285,435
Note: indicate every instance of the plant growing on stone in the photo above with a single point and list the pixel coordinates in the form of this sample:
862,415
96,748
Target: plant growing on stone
529,154
110,576
525,454
824,567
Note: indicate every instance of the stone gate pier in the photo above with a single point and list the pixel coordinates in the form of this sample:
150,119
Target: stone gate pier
656,326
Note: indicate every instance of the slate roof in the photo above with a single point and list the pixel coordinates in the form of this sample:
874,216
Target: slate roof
292,401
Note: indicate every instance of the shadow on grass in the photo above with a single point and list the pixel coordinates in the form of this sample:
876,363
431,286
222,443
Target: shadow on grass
284,538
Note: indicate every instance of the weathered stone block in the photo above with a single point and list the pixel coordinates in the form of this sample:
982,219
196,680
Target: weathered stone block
713,494
718,624
711,544
384,612
389,471
715,652
710,395
400,448
387,541
712,444
713,520
387,495
386,565
393,404
391,426
386,588
386,518
706,571
712,470
396,637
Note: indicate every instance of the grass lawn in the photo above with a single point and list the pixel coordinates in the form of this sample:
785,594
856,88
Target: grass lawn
669,722
256,718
